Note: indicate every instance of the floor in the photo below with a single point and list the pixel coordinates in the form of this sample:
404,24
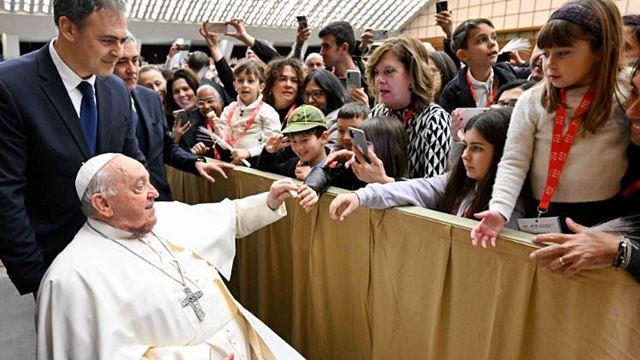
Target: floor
17,328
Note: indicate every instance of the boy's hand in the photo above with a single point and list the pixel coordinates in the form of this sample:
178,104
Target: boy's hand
307,197
340,156
276,143
302,171
239,154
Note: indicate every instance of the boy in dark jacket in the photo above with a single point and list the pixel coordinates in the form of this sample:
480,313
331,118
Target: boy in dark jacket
476,85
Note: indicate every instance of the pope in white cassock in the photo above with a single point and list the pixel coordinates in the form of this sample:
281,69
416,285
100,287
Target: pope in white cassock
139,280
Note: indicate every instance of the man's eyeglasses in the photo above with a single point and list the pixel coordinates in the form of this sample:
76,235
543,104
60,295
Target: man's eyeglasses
210,102
315,95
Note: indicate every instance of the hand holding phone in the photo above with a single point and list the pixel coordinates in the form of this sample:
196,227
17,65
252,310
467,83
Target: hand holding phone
441,6
302,21
359,141
353,80
217,27
180,117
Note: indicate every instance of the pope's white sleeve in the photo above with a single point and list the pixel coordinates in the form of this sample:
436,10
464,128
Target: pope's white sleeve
253,213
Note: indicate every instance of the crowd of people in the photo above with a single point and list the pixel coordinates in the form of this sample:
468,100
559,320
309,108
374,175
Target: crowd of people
548,146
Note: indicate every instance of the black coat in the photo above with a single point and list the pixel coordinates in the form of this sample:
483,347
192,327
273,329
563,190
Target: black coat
42,147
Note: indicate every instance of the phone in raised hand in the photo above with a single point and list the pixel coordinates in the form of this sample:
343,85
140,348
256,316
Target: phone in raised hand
353,80
302,21
360,142
218,27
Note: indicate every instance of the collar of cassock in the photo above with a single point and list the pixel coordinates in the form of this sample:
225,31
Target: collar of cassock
110,231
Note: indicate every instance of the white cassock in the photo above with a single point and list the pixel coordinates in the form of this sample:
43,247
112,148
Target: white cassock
98,300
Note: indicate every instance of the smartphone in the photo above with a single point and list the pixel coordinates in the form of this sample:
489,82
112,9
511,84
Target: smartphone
302,21
441,6
379,35
181,45
360,142
468,113
353,80
217,27
180,116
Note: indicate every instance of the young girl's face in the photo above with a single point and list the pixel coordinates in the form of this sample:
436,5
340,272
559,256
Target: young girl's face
568,67
248,87
477,155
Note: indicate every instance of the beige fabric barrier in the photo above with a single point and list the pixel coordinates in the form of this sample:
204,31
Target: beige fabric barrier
407,284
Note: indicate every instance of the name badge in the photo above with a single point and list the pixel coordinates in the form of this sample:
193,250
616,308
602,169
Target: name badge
541,225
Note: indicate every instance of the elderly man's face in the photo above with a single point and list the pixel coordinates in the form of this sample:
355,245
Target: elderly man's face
314,62
154,80
128,65
132,206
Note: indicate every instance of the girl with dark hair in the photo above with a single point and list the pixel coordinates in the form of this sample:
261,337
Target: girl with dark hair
389,152
463,191
323,90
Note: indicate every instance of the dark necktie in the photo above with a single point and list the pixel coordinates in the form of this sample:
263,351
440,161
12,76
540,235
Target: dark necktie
88,115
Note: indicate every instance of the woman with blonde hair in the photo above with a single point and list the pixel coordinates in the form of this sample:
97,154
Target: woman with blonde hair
405,85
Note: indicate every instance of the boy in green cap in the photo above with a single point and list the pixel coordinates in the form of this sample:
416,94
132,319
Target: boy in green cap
306,133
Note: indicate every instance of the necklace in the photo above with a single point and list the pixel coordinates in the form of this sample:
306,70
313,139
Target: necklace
191,298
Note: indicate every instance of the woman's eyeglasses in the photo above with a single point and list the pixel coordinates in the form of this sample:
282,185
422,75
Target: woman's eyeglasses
315,95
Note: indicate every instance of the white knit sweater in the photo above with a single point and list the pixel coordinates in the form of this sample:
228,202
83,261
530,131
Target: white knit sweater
594,167
267,123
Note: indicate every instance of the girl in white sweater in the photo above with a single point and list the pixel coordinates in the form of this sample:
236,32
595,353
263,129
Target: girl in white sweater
568,133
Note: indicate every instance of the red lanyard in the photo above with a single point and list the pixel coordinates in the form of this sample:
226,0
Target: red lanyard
229,137
474,94
560,145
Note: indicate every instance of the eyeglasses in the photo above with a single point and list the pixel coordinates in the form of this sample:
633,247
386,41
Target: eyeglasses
210,102
315,95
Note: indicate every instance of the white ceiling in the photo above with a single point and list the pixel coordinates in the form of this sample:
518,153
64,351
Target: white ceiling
376,14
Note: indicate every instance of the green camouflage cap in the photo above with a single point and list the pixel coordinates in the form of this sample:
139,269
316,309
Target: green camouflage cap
304,118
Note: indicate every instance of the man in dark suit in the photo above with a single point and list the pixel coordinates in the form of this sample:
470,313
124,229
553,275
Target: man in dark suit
59,106
154,136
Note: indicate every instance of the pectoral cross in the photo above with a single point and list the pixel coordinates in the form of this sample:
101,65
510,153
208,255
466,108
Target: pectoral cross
191,299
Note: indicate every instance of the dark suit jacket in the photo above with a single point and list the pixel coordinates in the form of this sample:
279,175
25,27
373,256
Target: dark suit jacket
158,145
457,94
42,146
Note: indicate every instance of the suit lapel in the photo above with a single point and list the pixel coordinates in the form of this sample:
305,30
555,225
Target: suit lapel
144,116
55,91
103,100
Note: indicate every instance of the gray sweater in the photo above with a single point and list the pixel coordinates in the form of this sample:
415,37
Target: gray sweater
423,192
